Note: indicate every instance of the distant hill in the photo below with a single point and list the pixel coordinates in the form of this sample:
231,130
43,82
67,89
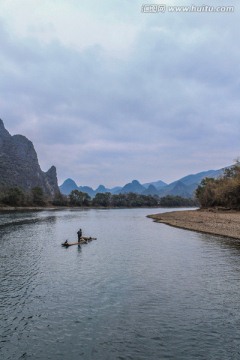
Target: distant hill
101,189
178,188
197,178
184,187
88,190
151,190
157,184
19,165
187,185
68,186
134,187
115,190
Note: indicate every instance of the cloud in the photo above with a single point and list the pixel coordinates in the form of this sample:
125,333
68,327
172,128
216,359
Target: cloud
74,24
139,96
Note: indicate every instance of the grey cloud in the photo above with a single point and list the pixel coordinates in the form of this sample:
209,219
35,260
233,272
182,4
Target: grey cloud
174,90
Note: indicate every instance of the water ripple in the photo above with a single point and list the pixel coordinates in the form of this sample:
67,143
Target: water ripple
141,291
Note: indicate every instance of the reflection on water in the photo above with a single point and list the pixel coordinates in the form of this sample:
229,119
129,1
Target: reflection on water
143,290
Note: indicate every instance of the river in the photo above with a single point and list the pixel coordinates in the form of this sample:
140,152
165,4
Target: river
142,290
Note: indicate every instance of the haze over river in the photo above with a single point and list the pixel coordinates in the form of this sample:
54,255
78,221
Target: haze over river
143,290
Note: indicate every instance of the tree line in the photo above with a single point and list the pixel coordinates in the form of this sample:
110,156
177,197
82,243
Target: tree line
17,197
223,191
129,200
36,197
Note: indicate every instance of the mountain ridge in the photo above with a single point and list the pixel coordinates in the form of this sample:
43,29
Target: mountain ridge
184,186
19,166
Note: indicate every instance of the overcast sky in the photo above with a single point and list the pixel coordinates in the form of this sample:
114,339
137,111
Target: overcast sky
108,93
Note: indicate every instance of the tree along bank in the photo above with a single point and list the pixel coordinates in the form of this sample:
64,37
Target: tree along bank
223,191
16,197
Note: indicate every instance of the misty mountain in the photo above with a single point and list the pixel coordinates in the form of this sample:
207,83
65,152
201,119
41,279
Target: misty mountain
115,190
68,186
88,190
157,184
151,190
134,187
101,189
178,188
184,187
187,185
197,178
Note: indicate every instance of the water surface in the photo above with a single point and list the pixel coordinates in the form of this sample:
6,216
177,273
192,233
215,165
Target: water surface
143,290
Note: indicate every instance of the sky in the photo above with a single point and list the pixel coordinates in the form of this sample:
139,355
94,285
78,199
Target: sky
109,92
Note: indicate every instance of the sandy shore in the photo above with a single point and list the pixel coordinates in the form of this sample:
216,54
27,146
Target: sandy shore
224,223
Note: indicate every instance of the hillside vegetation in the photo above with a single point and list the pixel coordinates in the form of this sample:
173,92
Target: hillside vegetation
223,191
17,197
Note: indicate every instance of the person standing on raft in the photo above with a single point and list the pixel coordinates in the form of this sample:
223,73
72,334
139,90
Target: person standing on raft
79,234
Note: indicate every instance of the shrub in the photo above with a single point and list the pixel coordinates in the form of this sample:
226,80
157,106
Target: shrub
224,191
14,197
38,197
79,198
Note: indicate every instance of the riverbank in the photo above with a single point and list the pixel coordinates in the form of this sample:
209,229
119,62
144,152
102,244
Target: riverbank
217,222
48,208
29,208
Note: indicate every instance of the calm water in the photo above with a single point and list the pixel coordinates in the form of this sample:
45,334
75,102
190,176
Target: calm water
141,291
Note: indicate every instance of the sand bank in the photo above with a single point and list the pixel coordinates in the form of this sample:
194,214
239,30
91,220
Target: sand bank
224,223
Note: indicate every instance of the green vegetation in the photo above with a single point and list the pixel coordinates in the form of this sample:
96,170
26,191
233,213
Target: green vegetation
177,201
36,197
223,192
17,197
14,197
60,200
130,200
102,199
124,200
79,198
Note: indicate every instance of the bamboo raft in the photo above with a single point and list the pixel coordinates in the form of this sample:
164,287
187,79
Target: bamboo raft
83,240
